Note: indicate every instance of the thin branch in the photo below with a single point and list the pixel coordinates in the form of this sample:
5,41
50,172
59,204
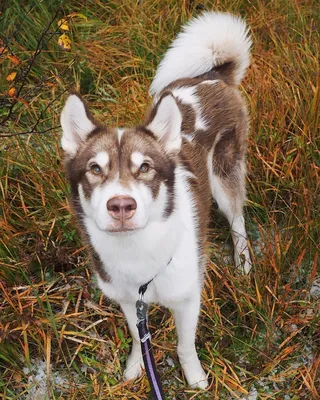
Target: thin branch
32,131
39,85
32,60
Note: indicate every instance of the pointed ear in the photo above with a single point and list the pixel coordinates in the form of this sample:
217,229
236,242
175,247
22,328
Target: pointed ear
166,124
76,122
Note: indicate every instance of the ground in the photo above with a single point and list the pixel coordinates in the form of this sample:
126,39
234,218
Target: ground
258,336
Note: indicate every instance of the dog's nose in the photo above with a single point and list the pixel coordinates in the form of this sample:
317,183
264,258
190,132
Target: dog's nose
122,207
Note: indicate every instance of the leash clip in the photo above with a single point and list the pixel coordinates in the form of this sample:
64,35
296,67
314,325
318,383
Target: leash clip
142,309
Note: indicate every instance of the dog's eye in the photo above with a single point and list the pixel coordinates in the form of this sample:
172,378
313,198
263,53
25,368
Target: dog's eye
145,167
95,169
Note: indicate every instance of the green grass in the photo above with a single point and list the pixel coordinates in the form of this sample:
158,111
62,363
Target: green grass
257,334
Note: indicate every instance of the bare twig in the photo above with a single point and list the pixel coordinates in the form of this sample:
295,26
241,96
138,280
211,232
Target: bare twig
32,60
31,131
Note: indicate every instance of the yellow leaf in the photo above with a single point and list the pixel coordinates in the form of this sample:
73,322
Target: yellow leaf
64,42
63,24
12,92
11,76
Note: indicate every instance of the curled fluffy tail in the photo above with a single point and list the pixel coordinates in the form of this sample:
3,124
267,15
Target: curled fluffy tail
209,41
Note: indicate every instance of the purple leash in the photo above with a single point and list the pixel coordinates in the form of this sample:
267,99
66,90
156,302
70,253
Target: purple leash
144,334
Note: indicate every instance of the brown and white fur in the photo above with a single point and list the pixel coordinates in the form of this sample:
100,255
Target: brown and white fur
142,195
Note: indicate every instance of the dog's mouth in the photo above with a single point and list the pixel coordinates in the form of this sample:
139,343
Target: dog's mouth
120,229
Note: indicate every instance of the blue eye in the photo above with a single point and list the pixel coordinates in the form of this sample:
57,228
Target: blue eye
145,167
95,169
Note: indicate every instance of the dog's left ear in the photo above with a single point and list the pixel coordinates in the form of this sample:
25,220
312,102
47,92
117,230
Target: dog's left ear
77,123
166,124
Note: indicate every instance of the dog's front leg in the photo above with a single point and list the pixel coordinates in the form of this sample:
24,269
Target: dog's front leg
186,316
135,361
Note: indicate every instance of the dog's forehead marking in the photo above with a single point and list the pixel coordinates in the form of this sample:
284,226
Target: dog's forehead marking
119,134
102,158
137,158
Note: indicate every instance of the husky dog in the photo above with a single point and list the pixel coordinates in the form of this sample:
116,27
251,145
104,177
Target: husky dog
142,195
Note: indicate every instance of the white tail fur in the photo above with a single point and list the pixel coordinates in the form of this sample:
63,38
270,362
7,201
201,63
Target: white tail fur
205,42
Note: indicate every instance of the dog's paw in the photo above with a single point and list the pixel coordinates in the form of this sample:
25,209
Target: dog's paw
133,368
195,375
132,372
202,384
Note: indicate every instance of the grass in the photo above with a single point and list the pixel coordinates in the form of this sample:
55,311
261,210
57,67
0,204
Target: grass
258,336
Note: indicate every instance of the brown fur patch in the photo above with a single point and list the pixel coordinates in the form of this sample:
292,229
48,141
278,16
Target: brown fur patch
98,266
223,72
188,118
193,157
102,139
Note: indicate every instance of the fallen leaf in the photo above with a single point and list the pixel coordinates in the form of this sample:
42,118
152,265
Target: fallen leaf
12,92
63,24
64,42
14,59
11,76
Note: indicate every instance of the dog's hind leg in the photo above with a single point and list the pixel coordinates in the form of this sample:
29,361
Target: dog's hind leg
229,192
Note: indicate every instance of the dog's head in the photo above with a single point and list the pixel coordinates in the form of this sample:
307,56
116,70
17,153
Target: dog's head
122,179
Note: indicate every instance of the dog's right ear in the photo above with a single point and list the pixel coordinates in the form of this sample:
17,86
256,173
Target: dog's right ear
76,122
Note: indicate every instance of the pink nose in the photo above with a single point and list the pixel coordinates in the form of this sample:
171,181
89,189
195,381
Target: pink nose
122,207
